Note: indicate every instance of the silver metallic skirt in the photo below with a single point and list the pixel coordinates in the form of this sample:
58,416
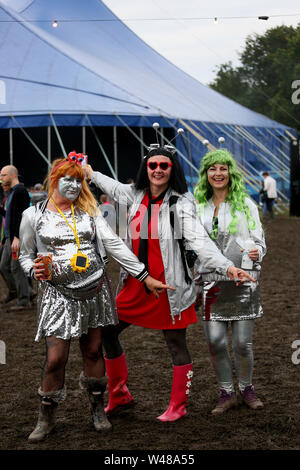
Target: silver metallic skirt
64,317
224,301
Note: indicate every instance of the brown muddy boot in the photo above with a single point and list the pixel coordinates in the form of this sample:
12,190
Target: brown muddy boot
10,296
95,389
248,396
226,401
46,420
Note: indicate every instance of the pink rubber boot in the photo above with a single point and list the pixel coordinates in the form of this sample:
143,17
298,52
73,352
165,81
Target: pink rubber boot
119,395
182,381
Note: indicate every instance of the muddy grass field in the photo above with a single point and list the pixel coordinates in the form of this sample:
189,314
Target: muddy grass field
276,378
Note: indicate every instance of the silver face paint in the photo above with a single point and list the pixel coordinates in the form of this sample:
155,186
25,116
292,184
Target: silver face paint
69,187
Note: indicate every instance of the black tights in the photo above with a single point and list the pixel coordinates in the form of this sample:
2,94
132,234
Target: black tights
57,352
175,339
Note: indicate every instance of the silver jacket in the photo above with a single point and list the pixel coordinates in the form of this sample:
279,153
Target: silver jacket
196,238
106,240
230,245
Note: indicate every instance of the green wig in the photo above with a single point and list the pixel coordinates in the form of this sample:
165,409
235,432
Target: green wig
236,188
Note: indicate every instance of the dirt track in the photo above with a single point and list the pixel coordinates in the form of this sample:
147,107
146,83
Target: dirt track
276,378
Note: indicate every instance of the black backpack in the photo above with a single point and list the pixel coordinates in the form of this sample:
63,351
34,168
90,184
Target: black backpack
188,256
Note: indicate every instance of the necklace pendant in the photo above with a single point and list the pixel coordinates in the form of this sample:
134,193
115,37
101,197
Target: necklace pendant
79,262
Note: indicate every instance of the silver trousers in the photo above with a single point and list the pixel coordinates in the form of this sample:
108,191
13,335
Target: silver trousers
216,333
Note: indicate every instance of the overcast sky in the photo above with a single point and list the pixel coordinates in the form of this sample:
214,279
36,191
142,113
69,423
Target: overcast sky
197,46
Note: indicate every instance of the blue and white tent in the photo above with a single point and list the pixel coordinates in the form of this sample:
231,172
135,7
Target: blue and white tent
92,72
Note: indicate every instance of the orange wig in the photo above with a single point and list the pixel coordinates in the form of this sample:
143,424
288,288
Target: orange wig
62,167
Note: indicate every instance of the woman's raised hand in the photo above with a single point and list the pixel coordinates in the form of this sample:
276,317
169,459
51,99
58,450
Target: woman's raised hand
88,170
155,286
238,275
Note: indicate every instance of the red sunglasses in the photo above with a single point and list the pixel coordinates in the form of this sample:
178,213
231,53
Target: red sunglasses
162,165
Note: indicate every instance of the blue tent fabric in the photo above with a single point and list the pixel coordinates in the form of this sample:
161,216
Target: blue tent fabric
86,72
97,68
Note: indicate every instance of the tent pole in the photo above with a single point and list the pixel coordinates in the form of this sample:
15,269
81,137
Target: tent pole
188,153
117,206
162,136
101,148
83,139
130,130
30,140
243,151
280,139
262,147
49,145
11,151
115,150
282,169
142,140
58,136
190,157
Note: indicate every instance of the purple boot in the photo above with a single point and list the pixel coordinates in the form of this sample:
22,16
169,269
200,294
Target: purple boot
249,397
226,401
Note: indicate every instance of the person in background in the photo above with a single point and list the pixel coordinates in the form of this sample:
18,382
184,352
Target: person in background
5,188
232,221
270,188
262,198
18,200
160,192
38,194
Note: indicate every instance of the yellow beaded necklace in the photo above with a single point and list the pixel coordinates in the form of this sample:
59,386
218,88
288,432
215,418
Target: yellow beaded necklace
79,261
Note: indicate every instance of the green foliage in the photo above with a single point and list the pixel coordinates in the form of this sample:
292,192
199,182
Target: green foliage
263,82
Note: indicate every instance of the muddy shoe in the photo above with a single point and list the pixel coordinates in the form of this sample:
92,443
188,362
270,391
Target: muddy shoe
251,400
19,307
99,417
32,296
226,401
95,388
10,296
45,424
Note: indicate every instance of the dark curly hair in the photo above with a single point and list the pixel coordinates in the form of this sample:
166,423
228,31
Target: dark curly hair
177,179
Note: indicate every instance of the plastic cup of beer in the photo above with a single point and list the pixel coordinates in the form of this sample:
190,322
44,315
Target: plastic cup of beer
46,260
14,255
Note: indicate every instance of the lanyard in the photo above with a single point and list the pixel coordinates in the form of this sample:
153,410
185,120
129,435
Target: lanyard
74,230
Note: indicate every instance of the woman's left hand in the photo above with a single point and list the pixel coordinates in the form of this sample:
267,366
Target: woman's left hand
155,286
253,254
238,275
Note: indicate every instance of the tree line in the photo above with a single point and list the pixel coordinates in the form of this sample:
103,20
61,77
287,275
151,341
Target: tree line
268,79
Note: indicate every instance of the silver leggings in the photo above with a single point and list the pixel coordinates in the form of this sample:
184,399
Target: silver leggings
216,333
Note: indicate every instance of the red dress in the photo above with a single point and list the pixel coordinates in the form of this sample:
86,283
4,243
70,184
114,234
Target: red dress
134,305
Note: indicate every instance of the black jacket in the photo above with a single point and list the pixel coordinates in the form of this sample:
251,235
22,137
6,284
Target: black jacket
20,201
